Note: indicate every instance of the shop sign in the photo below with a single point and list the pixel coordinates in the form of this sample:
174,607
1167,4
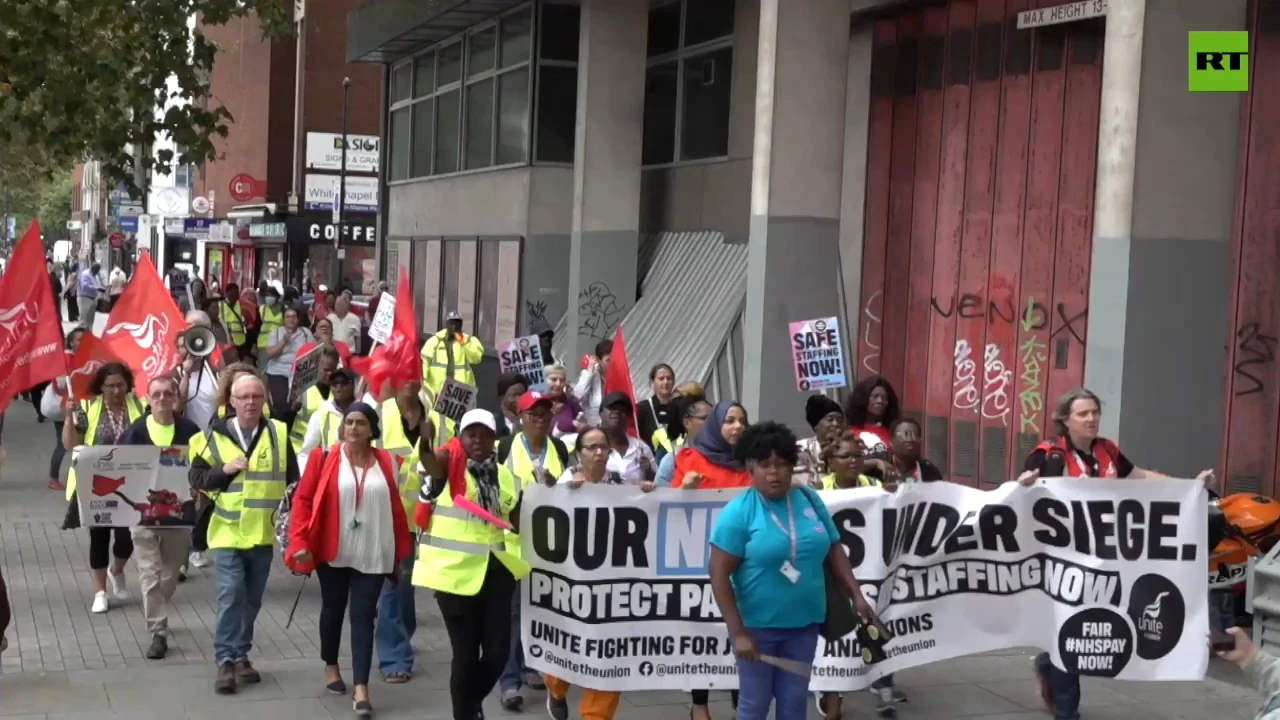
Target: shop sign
267,230
361,193
313,231
324,152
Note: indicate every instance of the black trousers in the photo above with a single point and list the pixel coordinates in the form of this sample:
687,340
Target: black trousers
479,628
701,697
200,533
341,588
101,548
278,391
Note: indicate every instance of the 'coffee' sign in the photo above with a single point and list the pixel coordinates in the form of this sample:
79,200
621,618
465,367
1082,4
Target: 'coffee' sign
311,231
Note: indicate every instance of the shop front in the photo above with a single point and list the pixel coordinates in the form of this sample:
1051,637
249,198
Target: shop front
322,251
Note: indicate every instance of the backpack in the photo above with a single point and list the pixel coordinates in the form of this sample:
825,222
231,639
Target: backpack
284,511
504,450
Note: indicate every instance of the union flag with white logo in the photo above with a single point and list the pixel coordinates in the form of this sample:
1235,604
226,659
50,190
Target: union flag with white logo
144,326
30,324
92,354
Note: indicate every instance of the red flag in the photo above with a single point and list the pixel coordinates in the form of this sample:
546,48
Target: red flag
318,308
397,361
103,485
143,328
30,326
92,354
618,378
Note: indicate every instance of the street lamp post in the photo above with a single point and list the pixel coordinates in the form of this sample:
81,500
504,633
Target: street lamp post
342,191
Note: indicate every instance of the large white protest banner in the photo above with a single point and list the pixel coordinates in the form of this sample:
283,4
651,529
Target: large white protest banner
1106,575
133,486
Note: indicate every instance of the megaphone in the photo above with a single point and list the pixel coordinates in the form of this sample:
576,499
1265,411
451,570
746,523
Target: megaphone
198,341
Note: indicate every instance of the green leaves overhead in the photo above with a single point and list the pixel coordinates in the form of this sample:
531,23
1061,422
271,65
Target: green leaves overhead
87,78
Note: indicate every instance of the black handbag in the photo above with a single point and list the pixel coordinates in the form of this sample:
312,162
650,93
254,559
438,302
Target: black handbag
841,619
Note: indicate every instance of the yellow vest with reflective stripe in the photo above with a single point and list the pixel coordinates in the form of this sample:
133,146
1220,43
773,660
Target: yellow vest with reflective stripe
525,470
393,437
93,411
829,482
232,318
435,361
454,551
409,480
311,402
272,318
244,514
659,439
266,411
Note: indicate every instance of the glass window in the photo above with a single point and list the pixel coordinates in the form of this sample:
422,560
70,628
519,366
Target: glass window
447,142
661,87
448,281
401,81
559,26
423,139
516,37
707,20
480,124
449,69
424,75
508,289
467,284
704,132
664,29
400,143
487,298
483,47
513,116
426,280
557,113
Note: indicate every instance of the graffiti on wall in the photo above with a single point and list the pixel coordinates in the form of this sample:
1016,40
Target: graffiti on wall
1255,354
1033,355
536,311
599,310
870,331
992,401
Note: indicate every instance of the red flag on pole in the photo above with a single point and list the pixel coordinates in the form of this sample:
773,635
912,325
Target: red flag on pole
92,354
143,327
618,378
397,361
30,325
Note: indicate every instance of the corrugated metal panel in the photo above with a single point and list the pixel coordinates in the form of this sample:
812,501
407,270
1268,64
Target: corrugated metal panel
690,300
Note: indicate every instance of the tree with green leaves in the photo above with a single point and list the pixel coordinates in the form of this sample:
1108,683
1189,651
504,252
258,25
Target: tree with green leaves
89,78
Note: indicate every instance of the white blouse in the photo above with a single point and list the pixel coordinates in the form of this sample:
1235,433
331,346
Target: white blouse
370,547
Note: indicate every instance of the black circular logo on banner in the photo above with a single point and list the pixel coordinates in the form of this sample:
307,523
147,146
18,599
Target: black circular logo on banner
646,668
535,651
1096,641
1158,612
804,386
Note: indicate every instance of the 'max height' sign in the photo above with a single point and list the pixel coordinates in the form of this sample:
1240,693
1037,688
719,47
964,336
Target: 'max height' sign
1218,61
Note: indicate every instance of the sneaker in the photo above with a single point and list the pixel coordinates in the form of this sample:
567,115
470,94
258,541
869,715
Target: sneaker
246,674
57,485
198,560
512,700
225,684
557,708
533,680
119,590
159,647
885,703
100,604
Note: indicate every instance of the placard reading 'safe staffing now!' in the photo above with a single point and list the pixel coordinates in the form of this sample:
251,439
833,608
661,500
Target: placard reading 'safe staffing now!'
1107,575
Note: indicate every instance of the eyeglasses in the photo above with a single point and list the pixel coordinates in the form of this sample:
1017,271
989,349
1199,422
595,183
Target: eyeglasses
162,394
249,398
594,448
695,417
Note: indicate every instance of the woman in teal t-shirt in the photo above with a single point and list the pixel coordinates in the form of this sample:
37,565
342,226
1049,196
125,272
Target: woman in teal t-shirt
769,551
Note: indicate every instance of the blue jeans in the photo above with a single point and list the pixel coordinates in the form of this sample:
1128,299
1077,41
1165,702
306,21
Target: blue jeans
761,685
1064,687
397,622
242,578
513,675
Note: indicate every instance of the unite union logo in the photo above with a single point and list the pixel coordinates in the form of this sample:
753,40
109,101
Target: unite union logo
16,318
152,335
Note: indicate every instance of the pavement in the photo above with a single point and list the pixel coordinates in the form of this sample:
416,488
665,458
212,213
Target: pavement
65,663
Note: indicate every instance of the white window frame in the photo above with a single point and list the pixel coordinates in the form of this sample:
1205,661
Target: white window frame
679,56
534,107
464,38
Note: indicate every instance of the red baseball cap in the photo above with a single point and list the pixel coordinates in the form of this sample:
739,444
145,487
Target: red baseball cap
531,398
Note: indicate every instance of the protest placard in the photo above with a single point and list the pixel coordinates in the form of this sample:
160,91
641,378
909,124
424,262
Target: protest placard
455,399
1106,575
133,486
818,353
524,356
384,319
306,373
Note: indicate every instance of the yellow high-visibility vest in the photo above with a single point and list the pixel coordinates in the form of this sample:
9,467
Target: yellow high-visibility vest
454,550
525,470
232,318
244,514
272,318
829,481
93,411
311,402
435,360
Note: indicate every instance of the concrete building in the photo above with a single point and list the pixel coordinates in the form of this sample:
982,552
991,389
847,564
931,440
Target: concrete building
995,214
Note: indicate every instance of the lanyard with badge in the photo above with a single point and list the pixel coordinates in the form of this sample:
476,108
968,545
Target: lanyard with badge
244,444
788,569
538,461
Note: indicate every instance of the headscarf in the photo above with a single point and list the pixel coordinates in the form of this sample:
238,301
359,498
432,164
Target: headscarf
369,414
710,442
818,407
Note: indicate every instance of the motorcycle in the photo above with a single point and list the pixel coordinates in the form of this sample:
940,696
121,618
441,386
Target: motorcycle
1241,526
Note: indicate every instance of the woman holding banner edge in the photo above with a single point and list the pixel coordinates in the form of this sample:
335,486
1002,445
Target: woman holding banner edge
770,550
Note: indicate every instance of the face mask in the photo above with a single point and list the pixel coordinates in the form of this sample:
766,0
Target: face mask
269,301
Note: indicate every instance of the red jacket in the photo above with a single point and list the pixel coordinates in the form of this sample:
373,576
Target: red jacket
713,476
314,520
